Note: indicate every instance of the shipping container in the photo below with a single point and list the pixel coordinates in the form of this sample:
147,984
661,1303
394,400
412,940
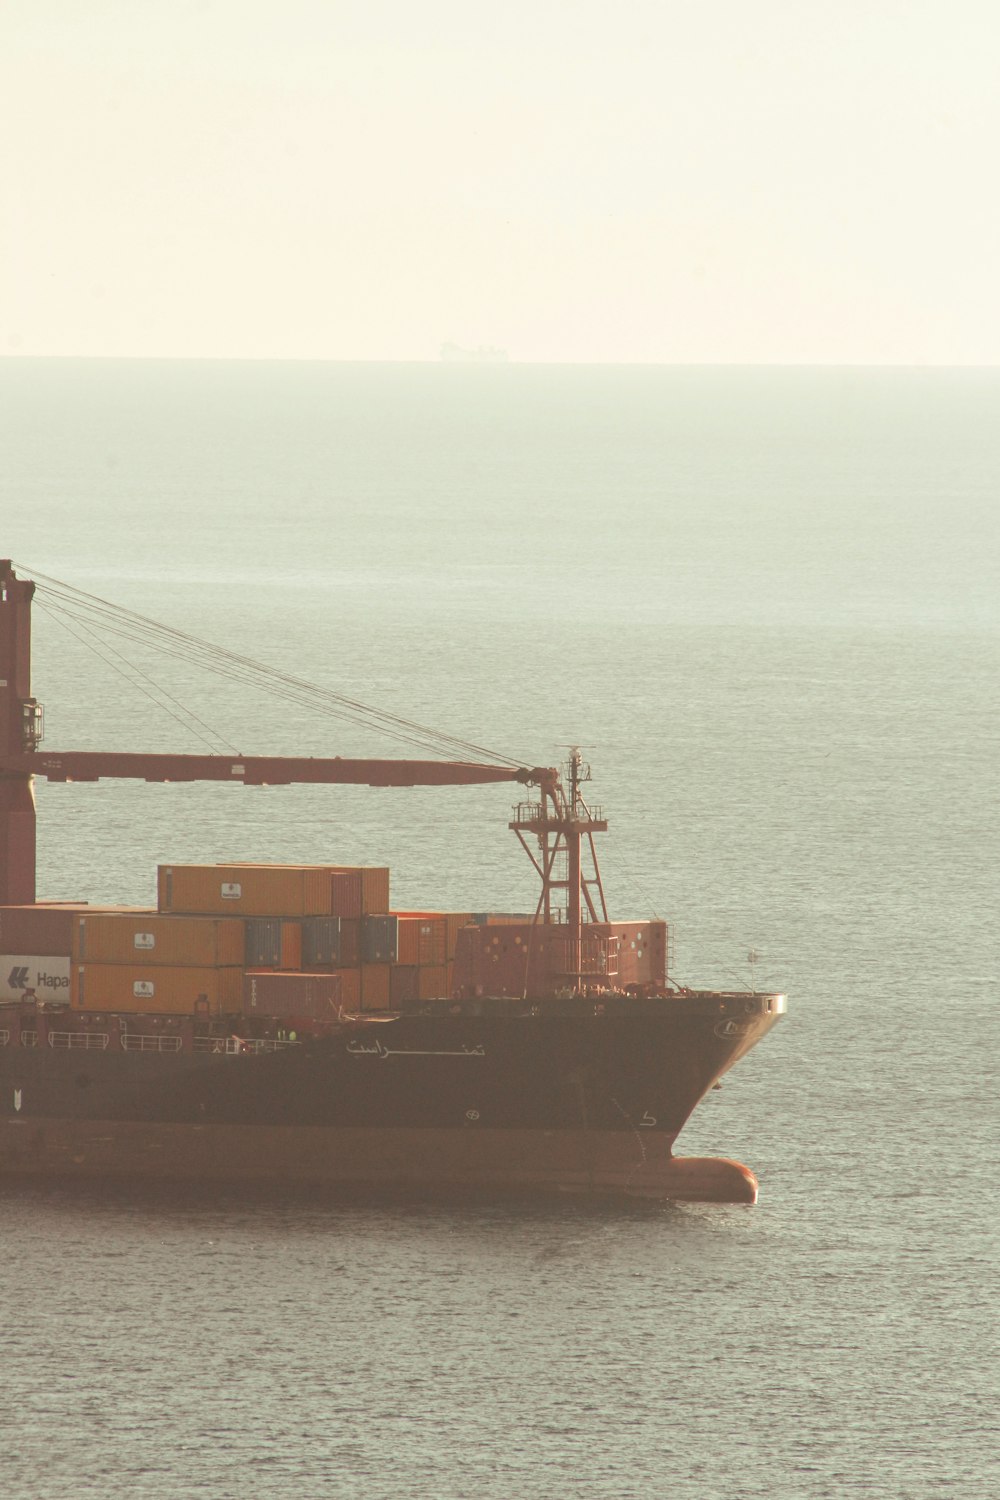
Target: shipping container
244,890
350,989
273,943
262,949
378,940
374,880
320,942
46,928
374,890
404,985
455,921
346,898
34,976
375,986
422,938
145,988
429,937
149,938
433,982
501,918
291,945
303,997
350,942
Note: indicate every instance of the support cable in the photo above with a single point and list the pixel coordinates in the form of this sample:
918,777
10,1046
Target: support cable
99,615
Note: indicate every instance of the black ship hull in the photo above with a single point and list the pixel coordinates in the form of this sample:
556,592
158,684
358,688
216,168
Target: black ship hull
566,1097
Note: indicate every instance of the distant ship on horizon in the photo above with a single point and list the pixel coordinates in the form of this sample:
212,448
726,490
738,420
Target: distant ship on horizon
483,355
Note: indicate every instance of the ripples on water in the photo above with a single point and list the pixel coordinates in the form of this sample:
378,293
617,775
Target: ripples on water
173,1344
767,604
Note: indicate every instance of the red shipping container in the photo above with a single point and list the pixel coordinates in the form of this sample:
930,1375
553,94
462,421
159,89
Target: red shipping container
346,899
359,891
303,997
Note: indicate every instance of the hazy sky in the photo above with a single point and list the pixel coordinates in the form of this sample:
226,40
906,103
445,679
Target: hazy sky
684,180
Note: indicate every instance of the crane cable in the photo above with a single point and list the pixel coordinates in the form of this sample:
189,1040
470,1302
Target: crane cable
95,614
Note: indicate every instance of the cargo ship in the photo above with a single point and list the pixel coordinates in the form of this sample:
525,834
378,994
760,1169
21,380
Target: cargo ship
285,1026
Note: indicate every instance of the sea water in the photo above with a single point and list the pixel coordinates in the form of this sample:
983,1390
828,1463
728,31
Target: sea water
765,604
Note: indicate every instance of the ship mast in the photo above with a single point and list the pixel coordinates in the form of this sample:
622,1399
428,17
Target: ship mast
20,759
559,823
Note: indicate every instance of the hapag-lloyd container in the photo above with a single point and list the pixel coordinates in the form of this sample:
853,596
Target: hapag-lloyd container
147,989
34,976
244,890
304,997
46,929
128,938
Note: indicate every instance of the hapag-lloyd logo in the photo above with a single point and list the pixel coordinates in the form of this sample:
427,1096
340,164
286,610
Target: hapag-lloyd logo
20,978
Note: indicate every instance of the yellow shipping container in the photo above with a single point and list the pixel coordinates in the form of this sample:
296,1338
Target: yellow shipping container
124,938
248,890
154,991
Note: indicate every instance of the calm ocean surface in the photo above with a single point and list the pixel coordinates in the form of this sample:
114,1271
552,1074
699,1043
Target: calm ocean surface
766,604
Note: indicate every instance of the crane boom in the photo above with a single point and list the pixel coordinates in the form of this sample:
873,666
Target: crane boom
262,770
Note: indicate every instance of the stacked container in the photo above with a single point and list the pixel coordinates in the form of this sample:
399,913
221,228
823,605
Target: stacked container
156,963
319,921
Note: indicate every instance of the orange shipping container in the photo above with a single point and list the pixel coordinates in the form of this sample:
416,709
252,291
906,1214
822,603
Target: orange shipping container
434,952
124,938
350,988
247,890
45,928
154,991
291,945
374,890
434,983
422,938
375,986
